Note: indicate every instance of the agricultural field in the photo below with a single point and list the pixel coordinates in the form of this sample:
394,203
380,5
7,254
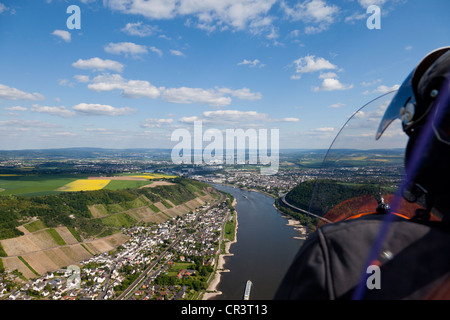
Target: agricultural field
46,184
33,185
84,185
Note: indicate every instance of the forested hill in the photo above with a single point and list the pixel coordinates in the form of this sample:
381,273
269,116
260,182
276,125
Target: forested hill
74,209
327,194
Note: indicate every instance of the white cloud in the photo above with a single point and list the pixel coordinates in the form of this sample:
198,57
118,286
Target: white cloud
290,119
273,34
251,63
126,48
65,82
196,95
386,89
314,30
129,88
328,75
81,78
26,124
64,134
260,24
63,34
177,53
385,6
155,123
155,9
9,93
310,64
216,97
98,64
312,11
16,108
332,84
336,105
209,15
243,94
102,110
213,97
231,117
156,50
356,17
325,129
367,3
383,89
139,29
234,116
3,8
188,119
100,130
57,111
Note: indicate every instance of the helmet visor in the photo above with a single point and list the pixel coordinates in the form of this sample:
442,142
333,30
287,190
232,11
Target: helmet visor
403,106
397,107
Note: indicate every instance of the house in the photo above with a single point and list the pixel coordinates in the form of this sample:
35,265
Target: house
56,283
185,273
39,286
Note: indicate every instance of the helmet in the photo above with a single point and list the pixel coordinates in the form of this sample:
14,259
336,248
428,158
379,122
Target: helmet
422,103
415,97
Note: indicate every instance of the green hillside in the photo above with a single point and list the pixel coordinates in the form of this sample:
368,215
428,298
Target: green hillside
71,209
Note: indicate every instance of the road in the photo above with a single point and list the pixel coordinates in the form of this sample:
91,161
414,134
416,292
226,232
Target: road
144,274
303,211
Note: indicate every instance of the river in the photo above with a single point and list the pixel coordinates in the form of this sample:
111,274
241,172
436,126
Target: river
264,250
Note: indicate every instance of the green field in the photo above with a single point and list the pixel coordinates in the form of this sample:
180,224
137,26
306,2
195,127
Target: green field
55,235
119,220
46,184
177,266
35,226
34,185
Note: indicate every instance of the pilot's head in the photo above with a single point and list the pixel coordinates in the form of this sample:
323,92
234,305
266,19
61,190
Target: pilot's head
423,105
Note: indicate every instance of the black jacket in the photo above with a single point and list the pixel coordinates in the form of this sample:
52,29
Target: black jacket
413,260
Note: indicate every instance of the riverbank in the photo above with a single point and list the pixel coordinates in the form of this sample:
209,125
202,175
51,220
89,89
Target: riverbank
297,227
292,222
212,292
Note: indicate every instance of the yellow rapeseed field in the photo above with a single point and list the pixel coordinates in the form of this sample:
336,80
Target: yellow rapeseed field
85,185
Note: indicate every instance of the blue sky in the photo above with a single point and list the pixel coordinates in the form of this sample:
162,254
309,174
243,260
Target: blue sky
138,70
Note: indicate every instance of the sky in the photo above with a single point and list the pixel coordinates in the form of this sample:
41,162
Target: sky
135,71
